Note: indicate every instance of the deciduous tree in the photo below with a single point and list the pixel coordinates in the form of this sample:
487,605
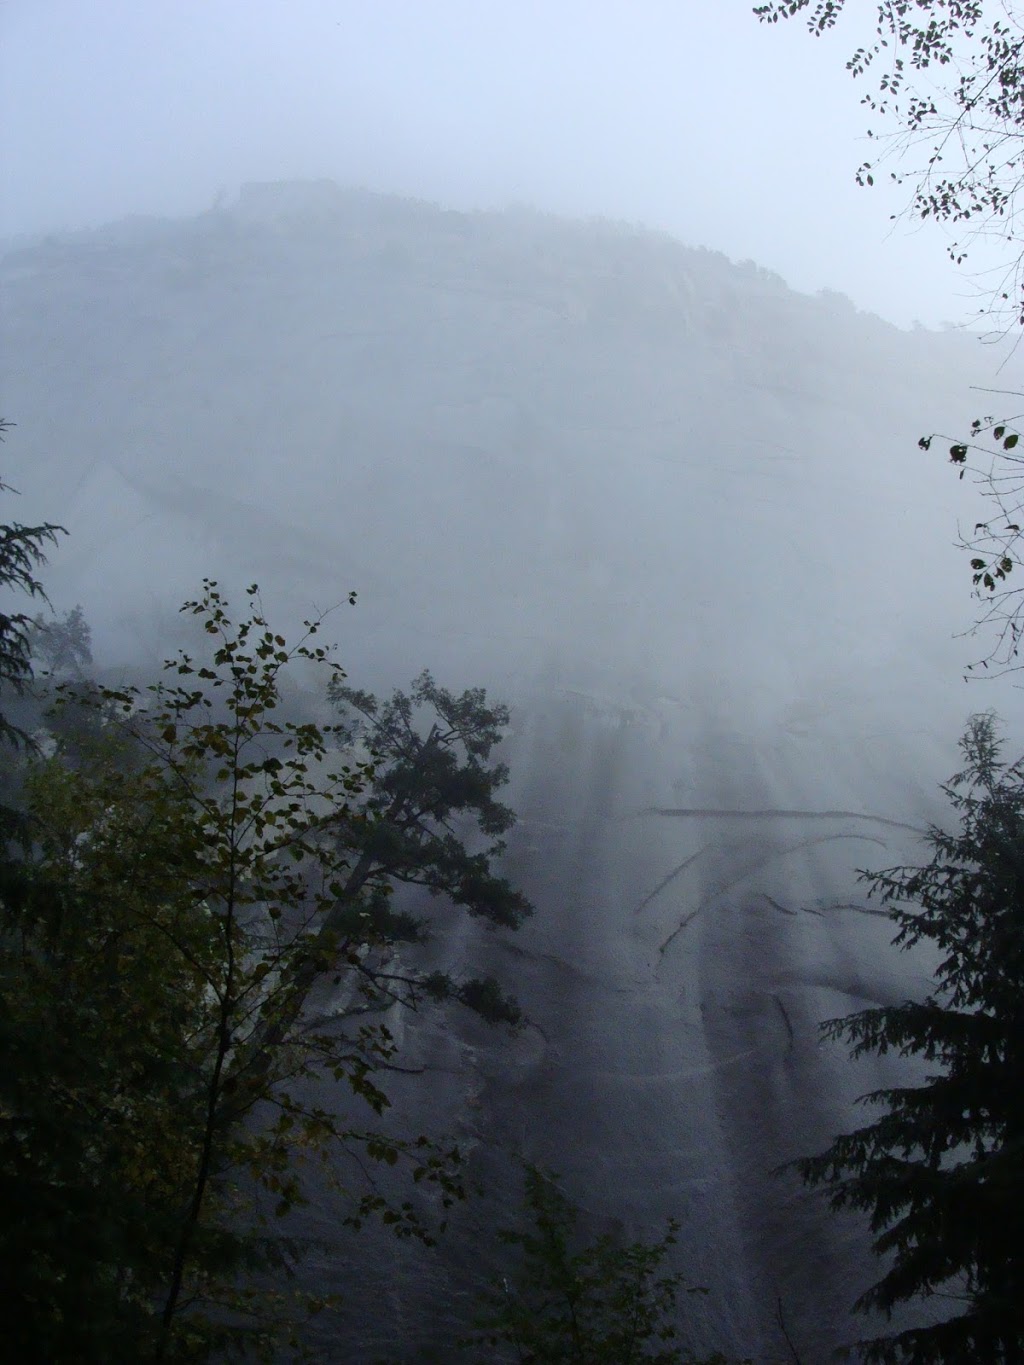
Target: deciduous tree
990,454
570,1301
204,950
948,78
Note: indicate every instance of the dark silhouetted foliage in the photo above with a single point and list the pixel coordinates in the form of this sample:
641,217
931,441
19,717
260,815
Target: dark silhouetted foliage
200,951
572,1302
941,1170
22,554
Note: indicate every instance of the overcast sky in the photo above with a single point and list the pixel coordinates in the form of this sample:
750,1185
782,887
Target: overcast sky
682,114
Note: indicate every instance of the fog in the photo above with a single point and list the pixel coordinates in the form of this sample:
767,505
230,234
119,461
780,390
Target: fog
670,509
263,321
683,116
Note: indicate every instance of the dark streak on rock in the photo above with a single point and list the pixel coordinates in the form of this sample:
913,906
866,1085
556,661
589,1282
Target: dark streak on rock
782,909
859,909
786,1019
677,931
778,853
665,880
685,812
532,955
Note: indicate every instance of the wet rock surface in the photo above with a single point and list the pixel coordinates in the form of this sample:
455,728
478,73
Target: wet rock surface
675,514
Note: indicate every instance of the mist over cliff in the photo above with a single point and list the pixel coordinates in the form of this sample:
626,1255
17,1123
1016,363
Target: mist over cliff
675,514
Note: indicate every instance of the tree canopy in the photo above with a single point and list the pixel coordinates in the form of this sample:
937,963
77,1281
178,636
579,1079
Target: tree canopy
22,554
940,1170
991,455
200,949
948,77
576,1302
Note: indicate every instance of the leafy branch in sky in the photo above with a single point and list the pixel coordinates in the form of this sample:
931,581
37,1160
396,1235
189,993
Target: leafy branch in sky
948,76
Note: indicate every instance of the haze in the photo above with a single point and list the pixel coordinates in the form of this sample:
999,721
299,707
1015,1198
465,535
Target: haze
678,114
667,503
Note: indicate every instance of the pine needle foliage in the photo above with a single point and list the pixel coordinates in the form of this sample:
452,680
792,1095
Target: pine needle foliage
941,1170
22,554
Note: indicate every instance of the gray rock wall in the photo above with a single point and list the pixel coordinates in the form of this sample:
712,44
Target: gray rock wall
676,515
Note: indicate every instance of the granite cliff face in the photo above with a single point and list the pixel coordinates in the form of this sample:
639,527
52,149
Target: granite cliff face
675,514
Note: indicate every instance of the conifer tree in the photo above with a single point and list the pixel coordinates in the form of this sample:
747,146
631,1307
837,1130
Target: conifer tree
941,1169
22,554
